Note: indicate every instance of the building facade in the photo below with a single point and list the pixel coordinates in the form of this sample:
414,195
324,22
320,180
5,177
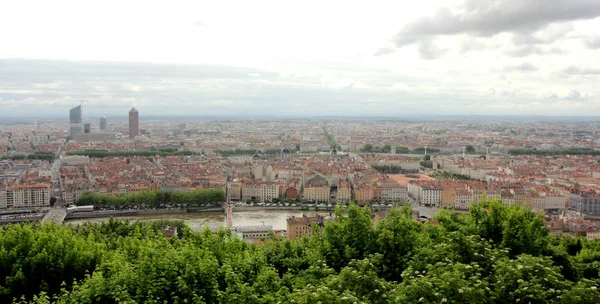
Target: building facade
25,196
297,227
75,121
103,123
134,123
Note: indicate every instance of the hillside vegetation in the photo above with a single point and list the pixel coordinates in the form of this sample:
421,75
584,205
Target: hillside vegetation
493,254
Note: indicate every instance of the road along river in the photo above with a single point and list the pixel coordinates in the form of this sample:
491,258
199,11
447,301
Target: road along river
197,220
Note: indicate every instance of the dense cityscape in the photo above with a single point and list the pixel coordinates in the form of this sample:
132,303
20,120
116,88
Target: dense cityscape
314,152
550,166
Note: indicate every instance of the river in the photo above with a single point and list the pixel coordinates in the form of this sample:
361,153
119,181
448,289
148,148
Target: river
198,220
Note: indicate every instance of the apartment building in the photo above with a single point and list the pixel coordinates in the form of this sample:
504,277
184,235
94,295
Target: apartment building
449,197
317,189
251,191
585,202
344,192
393,192
25,196
463,200
363,194
235,190
431,195
297,227
269,191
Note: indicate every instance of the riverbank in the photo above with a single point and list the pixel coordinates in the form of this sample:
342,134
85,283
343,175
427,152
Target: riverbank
199,220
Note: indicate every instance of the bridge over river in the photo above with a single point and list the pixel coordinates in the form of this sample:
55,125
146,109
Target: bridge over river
55,214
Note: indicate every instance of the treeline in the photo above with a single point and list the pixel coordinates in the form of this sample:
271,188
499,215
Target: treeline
493,254
235,152
153,199
331,140
554,152
369,148
391,169
147,153
48,156
444,174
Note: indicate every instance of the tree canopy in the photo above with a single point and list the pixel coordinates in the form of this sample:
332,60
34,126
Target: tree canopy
152,199
493,254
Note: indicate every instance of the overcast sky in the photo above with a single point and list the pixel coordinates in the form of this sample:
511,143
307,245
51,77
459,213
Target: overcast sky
300,57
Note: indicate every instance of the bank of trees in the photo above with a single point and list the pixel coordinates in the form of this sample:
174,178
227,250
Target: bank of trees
237,152
390,169
553,152
153,199
49,156
494,254
99,153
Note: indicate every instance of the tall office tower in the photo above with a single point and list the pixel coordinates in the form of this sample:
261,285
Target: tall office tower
87,127
103,123
134,123
75,116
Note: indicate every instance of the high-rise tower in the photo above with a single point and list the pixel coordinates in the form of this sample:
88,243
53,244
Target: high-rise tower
134,123
87,128
102,123
75,120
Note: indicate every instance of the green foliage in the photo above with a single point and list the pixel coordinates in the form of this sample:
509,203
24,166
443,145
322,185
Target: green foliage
390,169
553,152
226,153
152,199
330,139
146,153
470,149
426,164
48,156
493,254
444,174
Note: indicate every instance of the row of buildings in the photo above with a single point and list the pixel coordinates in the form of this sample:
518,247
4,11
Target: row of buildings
459,194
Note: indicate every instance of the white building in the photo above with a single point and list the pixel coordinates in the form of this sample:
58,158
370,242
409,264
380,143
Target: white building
394,192
25,196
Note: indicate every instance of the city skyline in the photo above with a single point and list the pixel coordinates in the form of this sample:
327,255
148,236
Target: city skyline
428,58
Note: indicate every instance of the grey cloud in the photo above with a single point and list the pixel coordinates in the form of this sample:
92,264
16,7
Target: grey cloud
488,18
573,95
384,51
42,88
429,51
573,70
527,50
525,66
593,43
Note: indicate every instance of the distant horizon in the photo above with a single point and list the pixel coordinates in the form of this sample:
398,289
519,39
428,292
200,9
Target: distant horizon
415,117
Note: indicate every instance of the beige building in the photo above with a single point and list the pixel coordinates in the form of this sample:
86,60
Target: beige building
297,227
463,199
363,195
344,192
317,189
251,191
236,191
260,191
25,196
269,191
